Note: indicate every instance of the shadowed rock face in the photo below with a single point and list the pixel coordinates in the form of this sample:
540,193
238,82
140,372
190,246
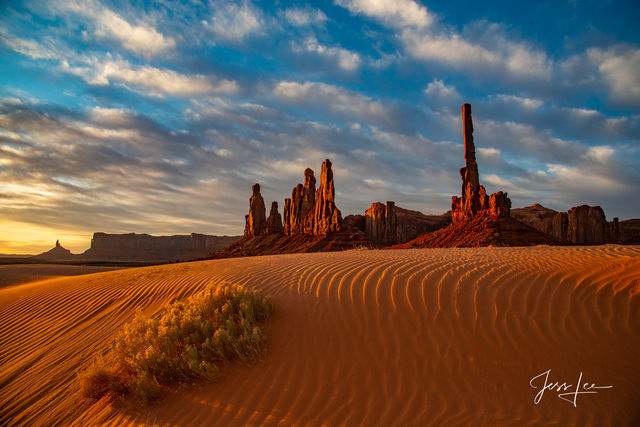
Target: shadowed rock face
311,211
274,222
474,198
381,224
143,247
581,225
256,220
390,224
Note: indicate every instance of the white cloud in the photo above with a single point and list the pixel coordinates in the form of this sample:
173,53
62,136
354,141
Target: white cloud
530,103
153,81
335,98
235,21
454,50
141,38
619,67
300,17
110,116
30,48
438,89
601,153
484,45
396,13
346,59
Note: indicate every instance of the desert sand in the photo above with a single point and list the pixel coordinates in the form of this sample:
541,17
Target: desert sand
385,337
13,274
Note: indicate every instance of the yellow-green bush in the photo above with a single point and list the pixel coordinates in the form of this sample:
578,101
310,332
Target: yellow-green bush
184,343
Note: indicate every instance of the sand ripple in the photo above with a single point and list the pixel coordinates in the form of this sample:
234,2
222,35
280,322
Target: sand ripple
396,337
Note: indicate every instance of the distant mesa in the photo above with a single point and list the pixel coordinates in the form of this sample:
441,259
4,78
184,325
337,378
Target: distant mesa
142,247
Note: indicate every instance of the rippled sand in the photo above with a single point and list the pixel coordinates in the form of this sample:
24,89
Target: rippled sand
390,337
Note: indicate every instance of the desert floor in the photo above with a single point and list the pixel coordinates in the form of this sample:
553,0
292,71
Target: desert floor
389,337
14,274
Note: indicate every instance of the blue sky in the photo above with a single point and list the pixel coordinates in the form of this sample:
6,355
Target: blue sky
158,117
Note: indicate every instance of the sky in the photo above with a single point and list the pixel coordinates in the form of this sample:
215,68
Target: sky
158,116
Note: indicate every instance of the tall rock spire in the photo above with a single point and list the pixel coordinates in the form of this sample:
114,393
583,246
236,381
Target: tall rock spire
474,197
256,220
327,216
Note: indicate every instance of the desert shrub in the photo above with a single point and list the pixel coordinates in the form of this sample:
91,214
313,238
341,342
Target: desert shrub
184,343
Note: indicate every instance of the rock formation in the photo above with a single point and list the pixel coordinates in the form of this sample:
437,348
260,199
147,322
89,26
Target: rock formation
274,222
57,253
581,225
327,216
297,218
256,220
390,224
381,223
311,211
474,198
143,247
629,232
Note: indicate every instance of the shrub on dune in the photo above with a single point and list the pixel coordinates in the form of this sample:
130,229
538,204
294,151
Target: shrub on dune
183,344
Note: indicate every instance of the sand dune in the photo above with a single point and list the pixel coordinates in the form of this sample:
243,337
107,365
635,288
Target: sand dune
392,337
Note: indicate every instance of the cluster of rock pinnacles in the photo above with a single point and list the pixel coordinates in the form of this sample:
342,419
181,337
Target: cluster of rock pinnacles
311,211
308,211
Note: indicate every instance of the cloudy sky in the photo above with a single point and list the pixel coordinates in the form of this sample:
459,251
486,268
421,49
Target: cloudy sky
157,117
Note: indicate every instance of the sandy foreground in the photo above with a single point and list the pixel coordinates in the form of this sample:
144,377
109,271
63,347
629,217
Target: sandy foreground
395,337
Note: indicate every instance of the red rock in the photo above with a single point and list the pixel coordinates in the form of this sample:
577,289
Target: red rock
390,224
327,217
499,205
298,210
311,211
274,222
581,225
256,221
474,199
381,223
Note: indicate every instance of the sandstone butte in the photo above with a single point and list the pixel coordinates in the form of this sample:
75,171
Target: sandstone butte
311,220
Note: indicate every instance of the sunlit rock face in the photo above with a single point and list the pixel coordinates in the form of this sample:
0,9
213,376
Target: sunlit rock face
311,211
255,221
474,199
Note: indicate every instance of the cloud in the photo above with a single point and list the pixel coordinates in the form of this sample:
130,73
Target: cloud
499,53
146,79
141,38
619,67
149,80
483,45
438,89
395,13
235,20
30,48
303,17
335,98
346,59
530,103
